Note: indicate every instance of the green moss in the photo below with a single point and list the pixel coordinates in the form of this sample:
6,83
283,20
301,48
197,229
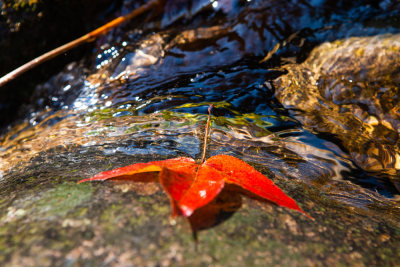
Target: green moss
23,4
245,244
159,209
79,212
58,201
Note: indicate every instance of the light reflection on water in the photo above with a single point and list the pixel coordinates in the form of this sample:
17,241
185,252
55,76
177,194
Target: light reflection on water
149,94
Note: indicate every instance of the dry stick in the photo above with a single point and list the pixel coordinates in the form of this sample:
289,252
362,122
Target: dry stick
203,158
84,39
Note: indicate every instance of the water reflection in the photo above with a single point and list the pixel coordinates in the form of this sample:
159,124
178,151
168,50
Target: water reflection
147,92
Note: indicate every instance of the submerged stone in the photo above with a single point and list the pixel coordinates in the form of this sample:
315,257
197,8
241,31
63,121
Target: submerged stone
349,90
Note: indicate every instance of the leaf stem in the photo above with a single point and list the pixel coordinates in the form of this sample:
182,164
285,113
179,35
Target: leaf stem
203,158
90,37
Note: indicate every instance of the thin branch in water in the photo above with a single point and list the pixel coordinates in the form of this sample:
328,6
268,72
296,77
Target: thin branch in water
89,37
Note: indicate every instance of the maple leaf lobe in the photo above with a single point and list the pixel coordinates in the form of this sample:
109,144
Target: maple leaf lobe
190,185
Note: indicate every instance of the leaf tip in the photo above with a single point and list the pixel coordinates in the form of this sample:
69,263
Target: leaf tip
304,213
308,216
185,210
83,180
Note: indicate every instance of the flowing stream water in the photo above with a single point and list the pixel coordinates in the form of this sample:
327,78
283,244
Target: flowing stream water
308,89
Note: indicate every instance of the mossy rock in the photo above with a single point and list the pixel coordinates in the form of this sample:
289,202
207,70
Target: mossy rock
52,221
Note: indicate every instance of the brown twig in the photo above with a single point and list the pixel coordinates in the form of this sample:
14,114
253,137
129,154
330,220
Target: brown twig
203,158
91,36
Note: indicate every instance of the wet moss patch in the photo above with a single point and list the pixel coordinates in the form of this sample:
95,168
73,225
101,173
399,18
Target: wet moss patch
109,224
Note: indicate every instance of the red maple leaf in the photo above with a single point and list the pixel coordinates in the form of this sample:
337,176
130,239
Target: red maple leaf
190,185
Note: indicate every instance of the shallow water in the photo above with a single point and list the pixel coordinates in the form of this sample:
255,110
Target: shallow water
148,87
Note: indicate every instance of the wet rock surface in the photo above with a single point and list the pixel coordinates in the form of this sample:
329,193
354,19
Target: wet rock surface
304,92
50,220
349,89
